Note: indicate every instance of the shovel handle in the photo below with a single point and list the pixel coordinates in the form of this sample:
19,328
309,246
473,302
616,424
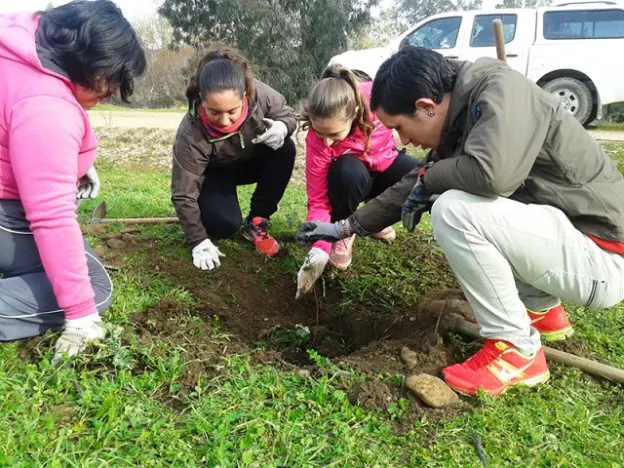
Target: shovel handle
499,37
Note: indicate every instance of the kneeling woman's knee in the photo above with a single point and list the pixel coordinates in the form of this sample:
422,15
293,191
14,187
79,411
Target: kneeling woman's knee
219,226
348,171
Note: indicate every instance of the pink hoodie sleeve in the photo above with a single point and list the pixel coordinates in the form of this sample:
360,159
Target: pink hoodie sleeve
317,170
44,143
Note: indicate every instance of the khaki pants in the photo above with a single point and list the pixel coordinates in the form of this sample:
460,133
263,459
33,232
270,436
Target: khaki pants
509,257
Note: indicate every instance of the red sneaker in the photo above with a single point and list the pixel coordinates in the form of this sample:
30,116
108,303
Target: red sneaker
255,230
495,368
552,324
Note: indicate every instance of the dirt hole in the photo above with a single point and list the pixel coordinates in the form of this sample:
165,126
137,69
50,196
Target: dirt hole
252,300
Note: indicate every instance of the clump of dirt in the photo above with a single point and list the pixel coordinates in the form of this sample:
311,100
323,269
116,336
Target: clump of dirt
372,394
201,351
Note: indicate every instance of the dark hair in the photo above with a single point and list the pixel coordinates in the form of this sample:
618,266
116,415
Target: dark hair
336,94
218,70
409,75
94,43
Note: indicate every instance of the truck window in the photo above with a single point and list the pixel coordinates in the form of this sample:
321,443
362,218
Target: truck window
483,34
584,24
436,34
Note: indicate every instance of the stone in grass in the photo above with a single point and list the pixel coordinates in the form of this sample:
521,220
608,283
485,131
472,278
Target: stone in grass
115,244
409,357
431,390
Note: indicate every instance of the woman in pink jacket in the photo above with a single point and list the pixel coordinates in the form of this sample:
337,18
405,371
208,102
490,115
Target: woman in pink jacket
55,64
350,158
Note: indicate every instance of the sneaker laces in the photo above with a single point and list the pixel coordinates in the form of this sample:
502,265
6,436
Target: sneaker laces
486,355
260,228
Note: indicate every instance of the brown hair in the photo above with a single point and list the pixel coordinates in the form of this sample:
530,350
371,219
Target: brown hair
338,93
221,68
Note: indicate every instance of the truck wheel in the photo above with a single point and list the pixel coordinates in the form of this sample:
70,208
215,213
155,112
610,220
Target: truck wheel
574,94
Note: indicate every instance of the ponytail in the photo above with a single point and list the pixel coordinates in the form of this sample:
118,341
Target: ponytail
218,70
338,94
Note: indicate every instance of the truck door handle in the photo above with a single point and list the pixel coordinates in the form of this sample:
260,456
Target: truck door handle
512,55
454,57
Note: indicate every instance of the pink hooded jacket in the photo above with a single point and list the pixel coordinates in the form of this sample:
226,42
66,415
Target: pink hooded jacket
319,158
46,145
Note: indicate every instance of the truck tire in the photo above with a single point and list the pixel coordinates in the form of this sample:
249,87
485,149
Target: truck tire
576,96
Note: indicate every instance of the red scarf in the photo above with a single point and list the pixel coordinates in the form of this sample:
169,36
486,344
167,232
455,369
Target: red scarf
217,132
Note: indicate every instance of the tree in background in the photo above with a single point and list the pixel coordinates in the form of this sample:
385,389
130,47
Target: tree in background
289,42
523,3
384,27
416,10
165,79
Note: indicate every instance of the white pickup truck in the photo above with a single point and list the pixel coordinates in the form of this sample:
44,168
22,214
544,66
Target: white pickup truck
574,50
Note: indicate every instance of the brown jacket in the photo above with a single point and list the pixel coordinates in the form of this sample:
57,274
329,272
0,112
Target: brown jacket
504,136
194,152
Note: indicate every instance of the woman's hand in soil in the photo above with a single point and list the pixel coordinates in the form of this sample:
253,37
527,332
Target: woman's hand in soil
331,232
274,135
311,270
206,255
77,334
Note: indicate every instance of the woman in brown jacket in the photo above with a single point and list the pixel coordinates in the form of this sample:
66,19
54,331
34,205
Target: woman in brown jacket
236,132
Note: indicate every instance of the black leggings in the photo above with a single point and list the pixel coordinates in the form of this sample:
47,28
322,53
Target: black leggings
350,182
218,200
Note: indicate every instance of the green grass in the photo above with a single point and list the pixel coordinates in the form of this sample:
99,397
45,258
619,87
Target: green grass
609,126
129,403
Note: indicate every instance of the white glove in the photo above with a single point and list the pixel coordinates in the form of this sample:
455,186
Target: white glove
89,186
274,135
206,255
77,334
311,270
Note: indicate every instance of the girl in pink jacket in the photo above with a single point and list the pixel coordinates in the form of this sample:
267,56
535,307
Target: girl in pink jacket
350,158
54,65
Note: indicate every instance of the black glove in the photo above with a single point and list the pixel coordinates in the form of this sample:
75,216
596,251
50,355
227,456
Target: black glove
418,202
331,232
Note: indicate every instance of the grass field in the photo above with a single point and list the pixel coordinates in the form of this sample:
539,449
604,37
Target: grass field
225,369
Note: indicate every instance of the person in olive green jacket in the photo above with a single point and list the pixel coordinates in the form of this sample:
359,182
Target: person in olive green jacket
524,203
236,132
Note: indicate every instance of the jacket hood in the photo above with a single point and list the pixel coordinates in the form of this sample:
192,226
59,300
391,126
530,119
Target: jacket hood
18,43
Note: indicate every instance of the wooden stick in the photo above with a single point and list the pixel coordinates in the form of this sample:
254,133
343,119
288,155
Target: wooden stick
499,37
459,324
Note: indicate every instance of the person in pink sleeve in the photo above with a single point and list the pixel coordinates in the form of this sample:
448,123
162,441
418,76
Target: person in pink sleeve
350,158
54,65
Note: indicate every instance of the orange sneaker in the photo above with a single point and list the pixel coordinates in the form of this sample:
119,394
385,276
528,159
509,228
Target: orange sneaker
553,324
255,230
341,253
387,235
495,368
